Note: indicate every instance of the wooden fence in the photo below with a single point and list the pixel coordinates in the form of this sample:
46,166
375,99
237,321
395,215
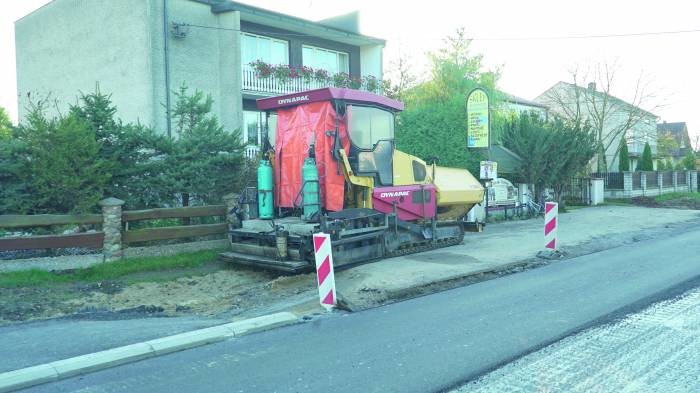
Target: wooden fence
89,239
111,224
173,232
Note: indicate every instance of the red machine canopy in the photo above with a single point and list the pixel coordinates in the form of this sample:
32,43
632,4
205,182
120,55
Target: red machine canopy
298,127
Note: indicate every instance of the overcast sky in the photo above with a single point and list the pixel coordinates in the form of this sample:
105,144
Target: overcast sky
669,62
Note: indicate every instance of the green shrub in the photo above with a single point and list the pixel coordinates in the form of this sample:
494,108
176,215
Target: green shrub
624,163
61,165
647,162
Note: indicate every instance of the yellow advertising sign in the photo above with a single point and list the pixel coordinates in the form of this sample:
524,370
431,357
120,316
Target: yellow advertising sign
478,119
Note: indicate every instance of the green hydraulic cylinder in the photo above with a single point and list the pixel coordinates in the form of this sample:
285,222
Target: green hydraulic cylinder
310,195
265,207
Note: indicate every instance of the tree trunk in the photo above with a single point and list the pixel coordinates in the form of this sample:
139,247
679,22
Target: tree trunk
602,165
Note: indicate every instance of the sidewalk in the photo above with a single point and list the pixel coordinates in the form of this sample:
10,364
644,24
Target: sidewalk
503,246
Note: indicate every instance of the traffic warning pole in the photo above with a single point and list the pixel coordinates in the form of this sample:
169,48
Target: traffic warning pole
551,210
324,270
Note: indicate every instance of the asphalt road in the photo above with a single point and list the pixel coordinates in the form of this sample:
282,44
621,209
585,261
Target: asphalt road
431,343
32,343
657,350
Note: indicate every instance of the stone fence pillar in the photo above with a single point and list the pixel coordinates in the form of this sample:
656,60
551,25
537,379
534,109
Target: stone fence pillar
231,202
693,181
112,227
660,179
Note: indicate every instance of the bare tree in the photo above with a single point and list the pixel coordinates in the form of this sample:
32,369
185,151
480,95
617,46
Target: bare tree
401,77
611,118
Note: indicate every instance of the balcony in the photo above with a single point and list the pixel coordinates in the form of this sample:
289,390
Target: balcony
272,84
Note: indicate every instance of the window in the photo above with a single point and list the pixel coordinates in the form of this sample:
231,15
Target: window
254,128
257,47
272,128
370,125
420,196
329,60
419,171
251,127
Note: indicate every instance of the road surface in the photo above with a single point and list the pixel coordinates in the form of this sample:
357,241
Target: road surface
432,343
657,350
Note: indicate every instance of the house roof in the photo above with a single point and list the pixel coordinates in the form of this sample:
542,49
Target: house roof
508,161
326,29
598,93
679,132
677,129
521,101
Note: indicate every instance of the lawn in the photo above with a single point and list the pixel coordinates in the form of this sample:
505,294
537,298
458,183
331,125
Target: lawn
108,271
678,195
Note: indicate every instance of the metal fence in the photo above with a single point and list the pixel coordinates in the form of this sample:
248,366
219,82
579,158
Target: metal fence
612,180
636,180
667,179
652,179
576,192
680,178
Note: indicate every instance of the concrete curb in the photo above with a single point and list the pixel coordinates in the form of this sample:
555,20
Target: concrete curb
66,368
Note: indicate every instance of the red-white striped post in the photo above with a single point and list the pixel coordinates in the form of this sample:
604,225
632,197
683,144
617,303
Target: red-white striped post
324,270
551,209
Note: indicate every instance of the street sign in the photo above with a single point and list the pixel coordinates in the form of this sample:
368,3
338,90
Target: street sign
488,170
324,270
478,128
551,210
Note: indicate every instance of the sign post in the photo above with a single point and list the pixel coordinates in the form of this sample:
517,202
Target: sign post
324,270
478,119
479,133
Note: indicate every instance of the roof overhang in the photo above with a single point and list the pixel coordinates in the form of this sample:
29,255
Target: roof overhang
327,94
287,22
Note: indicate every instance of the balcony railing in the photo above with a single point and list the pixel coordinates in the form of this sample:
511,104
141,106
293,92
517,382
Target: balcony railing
251,151
272,85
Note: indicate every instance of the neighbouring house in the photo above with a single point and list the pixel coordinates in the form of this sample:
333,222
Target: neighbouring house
674,139
140,51
615,117
520,105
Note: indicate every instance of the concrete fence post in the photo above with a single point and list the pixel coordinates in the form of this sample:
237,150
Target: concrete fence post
675,180
643,181
112,228
688,181
693,181
627,183
660,180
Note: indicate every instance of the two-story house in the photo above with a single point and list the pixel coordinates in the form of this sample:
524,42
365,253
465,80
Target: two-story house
140,51
612,117
676,140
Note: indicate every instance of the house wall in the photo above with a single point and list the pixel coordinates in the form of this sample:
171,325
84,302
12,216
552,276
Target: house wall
371,60
206,59
68,46
642,132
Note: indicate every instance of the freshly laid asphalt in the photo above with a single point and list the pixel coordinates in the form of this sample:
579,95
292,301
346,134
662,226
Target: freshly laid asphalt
426,344
33,343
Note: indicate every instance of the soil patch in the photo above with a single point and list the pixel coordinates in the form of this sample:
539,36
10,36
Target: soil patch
208,290
675,203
